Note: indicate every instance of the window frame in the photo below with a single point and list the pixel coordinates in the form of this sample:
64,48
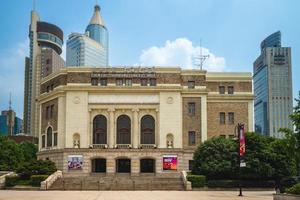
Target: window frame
231,90
192,108
192,135
222,87
222,121
231,118
191,84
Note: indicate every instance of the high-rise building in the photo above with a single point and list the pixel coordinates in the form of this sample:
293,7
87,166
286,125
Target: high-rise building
273,87
44,38
91,48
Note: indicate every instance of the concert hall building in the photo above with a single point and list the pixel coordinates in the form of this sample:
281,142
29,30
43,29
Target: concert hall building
135,119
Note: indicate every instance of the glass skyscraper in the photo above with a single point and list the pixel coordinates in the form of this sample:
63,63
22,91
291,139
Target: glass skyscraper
273,87
91,48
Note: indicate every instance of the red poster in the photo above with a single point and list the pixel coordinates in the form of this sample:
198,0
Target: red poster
242,140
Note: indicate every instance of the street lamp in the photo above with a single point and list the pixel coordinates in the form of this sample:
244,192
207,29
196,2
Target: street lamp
241,151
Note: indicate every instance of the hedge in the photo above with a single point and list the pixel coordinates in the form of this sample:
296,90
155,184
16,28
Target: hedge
35,180
11,181
294,189
244,183
197,180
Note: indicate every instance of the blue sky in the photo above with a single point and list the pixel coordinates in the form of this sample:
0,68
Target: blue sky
146,32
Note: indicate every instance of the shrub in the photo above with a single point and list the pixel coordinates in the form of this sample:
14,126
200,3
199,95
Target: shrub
38,167
223,183
294,189
197,180
11,181
244,183
35,180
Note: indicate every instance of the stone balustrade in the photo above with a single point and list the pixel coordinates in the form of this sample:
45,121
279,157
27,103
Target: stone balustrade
2,178
187,184
46,184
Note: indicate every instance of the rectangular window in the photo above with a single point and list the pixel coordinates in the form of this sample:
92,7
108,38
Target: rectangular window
43,141
230,89
191,84
55,139
51,111
103,82
191,107
221,89
191,165
47,112
48,88
119,82
192,138
231,118
222,118
128,82
152,82
94,81
144,82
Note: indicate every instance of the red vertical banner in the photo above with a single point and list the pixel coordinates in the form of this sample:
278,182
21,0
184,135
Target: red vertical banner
242,141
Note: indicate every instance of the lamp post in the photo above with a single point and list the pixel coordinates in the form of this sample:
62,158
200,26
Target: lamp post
241,152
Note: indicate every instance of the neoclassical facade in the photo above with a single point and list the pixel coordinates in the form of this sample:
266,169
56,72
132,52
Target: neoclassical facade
137,120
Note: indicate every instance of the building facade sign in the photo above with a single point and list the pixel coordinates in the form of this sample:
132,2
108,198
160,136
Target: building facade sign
75,162
170,162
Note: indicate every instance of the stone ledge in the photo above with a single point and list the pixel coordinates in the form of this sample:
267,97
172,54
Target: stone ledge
286,197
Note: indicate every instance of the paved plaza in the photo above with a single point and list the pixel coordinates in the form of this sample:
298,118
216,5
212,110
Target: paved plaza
133,195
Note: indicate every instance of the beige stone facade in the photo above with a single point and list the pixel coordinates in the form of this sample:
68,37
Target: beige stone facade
169,112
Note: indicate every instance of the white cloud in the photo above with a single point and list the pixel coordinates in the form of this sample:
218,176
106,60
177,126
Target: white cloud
12,65
180,52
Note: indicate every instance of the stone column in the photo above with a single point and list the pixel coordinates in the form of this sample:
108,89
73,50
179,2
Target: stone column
111,133
203,118
135,132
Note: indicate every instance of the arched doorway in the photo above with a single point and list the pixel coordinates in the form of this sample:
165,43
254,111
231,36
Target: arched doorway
147,165
123,130
100,130
147,130
123,165
99,165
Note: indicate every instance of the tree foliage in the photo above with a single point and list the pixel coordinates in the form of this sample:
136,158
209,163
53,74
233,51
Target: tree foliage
29,151
266,158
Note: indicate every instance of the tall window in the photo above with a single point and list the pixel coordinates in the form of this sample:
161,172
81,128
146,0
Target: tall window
100,130
51,111
144,82
230,89
43,141
222,118
123,130
221,89
231,118
152,82
191,84
147,130
103,81
119,82
191,107
128,82
94,81
49,137
192,138
54,139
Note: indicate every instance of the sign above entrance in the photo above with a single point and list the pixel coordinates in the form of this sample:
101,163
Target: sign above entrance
170,162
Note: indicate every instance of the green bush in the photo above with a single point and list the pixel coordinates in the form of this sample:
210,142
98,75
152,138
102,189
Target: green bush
222,183
11,181
35,180
294,189
244,183
38,167
197,180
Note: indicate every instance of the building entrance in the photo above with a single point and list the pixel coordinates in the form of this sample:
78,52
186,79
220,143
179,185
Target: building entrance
123,165
147,165
99,165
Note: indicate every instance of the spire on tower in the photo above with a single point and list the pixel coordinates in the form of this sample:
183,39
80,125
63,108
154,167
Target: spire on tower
96,18
33,4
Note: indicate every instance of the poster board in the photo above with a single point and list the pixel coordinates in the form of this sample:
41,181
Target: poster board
169,162
75,162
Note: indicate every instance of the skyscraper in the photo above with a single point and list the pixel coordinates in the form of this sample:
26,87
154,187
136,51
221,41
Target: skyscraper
91,48
42,36
273,87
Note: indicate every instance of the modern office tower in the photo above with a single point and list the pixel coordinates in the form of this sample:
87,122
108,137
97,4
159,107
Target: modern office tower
42,35
84,51
50,62
10,124
273,87
91,48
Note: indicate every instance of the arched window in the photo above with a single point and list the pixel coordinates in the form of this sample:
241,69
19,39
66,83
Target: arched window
170,141
100,130
76,140
49,137
147,130
123,130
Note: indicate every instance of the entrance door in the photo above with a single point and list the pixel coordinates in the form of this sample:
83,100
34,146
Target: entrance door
99,165
123,165
147,166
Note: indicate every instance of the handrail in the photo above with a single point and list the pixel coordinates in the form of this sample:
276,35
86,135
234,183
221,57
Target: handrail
46,184
187,184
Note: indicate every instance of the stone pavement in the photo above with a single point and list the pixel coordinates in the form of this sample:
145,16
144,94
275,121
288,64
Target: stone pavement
133,195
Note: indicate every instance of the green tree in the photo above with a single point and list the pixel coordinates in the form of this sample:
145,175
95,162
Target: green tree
29,151
11,156
216,158
292,137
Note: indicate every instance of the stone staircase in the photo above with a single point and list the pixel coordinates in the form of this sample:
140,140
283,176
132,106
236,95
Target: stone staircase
118,182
